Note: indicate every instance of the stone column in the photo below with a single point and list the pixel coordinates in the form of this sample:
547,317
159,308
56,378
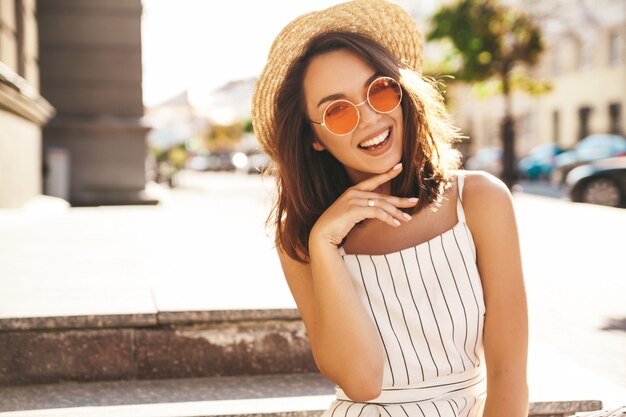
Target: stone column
90,62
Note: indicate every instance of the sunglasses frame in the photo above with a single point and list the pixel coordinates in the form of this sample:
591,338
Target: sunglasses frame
356,106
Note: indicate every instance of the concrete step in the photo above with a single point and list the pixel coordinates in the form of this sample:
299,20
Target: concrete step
295,395
161,345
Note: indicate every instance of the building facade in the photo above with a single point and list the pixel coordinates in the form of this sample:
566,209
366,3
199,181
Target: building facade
584,62
22,109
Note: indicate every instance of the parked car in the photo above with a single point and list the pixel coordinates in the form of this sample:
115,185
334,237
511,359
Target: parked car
599,182
591,148
258,162
211,162
540,161
486,159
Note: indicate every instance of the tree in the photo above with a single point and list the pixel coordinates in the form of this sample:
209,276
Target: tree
491,39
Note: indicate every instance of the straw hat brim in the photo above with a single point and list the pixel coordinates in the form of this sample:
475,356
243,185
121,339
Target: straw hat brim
384,22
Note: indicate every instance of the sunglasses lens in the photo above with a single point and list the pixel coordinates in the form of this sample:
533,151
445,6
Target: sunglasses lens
341,117
385,94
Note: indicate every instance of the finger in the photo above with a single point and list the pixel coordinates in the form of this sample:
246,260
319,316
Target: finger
400,201
393,211
376,181
403,202
377,213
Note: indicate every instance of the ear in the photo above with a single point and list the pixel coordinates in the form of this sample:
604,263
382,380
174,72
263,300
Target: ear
318,146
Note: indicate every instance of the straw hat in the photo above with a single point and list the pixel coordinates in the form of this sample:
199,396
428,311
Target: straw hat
384,22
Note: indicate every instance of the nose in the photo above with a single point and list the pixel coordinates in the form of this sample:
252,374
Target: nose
368,115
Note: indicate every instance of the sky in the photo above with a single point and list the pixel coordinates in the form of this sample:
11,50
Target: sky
201,45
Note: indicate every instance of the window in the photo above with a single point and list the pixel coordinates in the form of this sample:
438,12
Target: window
616,48
584,114
585,53
556,126
615,118
557,60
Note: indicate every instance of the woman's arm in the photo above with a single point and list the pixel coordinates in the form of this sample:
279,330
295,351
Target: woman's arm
489,208
343,338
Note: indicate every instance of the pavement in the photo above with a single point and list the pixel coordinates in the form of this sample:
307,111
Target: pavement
205,247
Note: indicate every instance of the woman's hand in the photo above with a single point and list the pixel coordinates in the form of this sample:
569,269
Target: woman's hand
358,203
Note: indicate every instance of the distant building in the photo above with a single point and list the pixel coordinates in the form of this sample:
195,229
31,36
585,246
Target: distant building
175,121
22,109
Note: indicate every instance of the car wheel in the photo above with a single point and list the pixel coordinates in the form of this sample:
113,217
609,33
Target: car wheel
602,191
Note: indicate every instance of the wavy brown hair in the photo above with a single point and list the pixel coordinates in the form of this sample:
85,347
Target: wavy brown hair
309,181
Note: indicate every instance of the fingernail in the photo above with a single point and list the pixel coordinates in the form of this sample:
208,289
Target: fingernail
397,166
413,200
397,222
407,216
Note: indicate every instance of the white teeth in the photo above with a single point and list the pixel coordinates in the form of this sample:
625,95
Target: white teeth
376,140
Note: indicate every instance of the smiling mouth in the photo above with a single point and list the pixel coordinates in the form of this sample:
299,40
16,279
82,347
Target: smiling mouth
376,142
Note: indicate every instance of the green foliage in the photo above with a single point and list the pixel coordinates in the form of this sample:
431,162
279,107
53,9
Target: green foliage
489,37
518,80
247,126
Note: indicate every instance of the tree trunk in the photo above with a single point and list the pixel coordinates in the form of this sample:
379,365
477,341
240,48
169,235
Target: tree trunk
509,175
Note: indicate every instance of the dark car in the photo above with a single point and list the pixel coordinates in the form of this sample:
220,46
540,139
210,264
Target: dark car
591,148
599,182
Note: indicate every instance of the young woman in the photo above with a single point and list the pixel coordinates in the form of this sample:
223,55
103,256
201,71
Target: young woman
405,269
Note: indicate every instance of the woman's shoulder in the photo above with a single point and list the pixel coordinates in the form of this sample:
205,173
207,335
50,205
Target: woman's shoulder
484,196
479,185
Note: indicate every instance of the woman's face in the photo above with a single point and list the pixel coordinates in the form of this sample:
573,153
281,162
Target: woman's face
342,74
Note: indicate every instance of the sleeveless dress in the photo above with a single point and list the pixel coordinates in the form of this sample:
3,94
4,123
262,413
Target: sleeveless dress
428,307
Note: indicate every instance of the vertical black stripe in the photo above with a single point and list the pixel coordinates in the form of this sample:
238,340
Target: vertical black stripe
335,409
382,406
375,320
422,411
461,299
362,408
406,369
407,414
445,301
478,318
436,408
419,316
348,409
405,322
454,413
443,346
463,408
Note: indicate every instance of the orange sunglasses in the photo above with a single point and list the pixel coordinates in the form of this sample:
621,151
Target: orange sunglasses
341,117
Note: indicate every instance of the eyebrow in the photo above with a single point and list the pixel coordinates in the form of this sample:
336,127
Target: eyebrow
341,95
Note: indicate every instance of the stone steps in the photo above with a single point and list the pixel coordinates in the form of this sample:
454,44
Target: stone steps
157,346
287,395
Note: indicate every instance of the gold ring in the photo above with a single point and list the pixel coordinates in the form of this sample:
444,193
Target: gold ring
371,202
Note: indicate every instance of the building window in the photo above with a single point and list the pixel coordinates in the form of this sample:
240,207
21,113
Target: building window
585,52
584,114
615,118
556,126
557,61
616,48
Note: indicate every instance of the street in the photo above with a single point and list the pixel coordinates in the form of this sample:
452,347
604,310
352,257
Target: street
205,247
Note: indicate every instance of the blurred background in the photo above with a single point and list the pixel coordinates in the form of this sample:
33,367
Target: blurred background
133,255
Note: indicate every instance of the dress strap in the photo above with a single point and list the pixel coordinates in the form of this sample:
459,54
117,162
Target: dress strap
460,177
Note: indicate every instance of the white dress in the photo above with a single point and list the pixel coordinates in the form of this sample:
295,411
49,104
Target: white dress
428,307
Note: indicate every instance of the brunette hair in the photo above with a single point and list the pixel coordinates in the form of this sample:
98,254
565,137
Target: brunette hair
309,181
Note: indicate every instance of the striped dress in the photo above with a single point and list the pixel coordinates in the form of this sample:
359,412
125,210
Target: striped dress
427,304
